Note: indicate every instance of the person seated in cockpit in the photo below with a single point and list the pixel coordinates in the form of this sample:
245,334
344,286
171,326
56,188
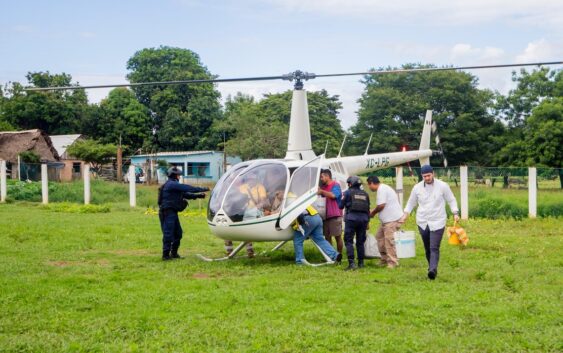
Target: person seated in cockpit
275,185
275,203
257,197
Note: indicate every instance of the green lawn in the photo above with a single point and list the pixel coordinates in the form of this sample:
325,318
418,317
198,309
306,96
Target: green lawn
95,282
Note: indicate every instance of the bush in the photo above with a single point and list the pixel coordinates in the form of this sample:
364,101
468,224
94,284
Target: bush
497,208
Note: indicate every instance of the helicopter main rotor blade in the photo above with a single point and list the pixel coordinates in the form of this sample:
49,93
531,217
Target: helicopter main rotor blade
426,69
138,84
292,76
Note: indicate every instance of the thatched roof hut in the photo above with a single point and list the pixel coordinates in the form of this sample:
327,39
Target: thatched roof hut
12,143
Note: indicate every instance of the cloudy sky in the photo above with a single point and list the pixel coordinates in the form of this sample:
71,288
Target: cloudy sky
92,40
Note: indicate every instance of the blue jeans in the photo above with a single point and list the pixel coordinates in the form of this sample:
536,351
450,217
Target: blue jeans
313,228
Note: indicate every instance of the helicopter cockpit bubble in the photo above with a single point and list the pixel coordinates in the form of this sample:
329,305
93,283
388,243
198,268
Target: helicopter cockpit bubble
256,192
221,188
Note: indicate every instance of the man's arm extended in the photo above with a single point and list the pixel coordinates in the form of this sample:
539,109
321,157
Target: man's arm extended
186,188
376,210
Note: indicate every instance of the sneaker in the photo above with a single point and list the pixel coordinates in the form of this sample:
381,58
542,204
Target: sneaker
432,274
351,267
175,255
166,257
250,255
361,265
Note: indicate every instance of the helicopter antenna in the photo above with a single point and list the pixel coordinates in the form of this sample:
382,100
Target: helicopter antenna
369,142
342,146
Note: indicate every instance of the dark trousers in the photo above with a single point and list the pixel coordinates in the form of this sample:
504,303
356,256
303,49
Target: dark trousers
171,230
432,241
357,228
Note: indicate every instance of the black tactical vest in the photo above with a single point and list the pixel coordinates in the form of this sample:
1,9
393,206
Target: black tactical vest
359,201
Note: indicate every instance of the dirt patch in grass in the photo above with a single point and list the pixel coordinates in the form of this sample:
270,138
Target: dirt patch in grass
131,252
61,263
200,275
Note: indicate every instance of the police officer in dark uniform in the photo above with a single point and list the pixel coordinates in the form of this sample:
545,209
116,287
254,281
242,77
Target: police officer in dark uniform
356,202
172,198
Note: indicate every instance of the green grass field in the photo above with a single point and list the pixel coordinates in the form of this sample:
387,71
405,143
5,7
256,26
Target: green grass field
94,282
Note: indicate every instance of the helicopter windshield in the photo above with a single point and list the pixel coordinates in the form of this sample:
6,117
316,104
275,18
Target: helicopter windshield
257,192
221,189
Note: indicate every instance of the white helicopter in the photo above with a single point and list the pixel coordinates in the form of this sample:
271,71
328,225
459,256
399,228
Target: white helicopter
290,183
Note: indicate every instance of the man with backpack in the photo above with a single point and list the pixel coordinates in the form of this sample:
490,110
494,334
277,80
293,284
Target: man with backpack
356,202
172,198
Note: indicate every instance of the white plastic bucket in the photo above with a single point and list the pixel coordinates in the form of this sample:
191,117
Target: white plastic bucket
405,244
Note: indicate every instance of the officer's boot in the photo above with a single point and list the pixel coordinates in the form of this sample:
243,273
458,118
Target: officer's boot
351,266
166,255
174,254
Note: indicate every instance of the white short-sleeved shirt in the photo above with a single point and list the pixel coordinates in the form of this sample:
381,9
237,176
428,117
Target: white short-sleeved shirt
392,210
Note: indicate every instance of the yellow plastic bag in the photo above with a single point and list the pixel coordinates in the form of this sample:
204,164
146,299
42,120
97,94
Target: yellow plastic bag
457,235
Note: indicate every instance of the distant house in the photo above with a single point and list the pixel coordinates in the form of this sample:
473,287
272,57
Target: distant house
13,143
199,166
73,167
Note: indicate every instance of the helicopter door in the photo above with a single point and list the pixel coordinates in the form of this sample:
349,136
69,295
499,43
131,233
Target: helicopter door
302,191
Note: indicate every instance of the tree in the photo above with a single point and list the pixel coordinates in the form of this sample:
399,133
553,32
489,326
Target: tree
531,111
55,112
122,118
93,152
323,117
392,107
250,134
246,121
194,107
531,89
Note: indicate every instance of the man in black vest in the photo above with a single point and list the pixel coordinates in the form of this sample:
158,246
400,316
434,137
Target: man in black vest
356,202
172,198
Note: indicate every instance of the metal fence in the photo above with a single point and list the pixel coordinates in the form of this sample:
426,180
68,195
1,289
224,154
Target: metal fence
487,177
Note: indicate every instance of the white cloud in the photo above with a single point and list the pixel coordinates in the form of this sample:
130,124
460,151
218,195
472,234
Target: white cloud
540,50
436,12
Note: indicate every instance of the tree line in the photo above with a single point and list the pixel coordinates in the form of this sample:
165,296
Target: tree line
476,126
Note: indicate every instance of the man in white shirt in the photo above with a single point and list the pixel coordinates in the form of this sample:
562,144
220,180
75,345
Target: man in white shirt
431,196
389,210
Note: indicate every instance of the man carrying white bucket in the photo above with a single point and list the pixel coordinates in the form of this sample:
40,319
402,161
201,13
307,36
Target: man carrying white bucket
389,210
431,195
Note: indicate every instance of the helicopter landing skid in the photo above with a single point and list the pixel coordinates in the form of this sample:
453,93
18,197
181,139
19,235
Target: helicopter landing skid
277,247
228,257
